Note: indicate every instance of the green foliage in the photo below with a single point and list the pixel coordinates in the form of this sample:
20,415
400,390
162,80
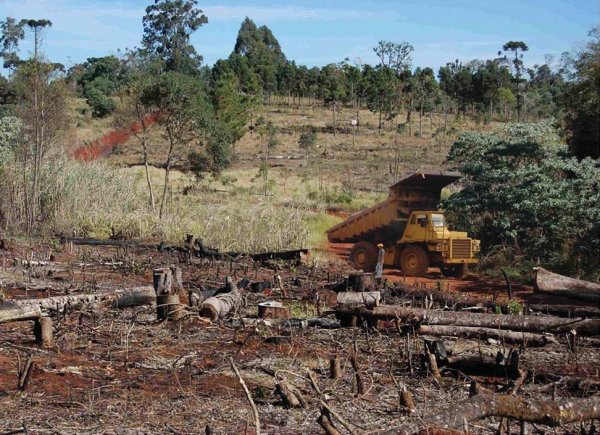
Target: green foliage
10,129
231,106
332,196
100,103
581,100
522,192
168,25
308,139
12,34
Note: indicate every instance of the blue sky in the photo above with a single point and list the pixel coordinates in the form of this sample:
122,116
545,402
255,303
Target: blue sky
320,32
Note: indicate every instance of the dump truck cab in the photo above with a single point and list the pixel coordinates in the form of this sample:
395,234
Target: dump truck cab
411,228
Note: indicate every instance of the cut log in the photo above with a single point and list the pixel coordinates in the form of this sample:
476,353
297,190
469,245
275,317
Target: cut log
273,310
511,337
538,324
13,313
219,306
549,282
551,413
367,299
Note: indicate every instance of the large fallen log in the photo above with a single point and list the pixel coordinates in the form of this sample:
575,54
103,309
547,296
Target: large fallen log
217,307
118,298
549,282
499,321
551,413
458,301
510,337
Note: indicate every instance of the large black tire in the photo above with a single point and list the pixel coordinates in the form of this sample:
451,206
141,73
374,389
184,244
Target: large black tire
459,271
364,256
414,261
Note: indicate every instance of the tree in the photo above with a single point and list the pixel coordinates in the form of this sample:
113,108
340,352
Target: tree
383,90
184,113
230,105
36,27
168,25
333,89
42,109
517,47
12,34
527,200
581,100
139,111
424,90
394,55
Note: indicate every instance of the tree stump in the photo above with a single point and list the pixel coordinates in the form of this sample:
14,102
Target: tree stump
42,329
167,301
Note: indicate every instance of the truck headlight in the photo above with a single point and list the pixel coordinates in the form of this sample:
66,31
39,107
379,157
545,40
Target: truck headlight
476,245
441,246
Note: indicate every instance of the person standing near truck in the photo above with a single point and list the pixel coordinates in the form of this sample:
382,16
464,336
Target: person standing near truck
379,266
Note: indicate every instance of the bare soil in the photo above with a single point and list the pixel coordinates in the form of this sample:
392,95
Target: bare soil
122,371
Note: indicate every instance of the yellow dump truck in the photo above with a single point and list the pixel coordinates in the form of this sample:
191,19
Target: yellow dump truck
412,230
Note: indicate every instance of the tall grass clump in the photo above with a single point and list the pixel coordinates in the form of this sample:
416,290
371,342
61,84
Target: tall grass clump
96,200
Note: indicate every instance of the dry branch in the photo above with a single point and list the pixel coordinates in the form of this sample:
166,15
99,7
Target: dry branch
248,396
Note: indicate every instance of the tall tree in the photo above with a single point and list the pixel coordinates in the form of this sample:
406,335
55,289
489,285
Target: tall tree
12,34
394,55
42,109
581,100
517,47
168,25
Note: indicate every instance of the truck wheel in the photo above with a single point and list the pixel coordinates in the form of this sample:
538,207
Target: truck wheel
459,271
364,256
414,261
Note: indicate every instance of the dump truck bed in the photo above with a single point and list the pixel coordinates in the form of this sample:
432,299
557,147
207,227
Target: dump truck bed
387,220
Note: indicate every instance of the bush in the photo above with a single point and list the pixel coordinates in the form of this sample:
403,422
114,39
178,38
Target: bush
101,104
523,193
308,139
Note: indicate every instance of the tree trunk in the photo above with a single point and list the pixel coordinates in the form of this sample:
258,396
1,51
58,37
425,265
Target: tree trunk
145,154
515,323
219,306
548,282
167,171
551,413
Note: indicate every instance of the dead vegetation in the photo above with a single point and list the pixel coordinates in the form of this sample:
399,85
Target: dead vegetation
117,367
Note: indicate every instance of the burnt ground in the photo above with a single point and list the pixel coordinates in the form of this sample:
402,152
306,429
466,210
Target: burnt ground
122,371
